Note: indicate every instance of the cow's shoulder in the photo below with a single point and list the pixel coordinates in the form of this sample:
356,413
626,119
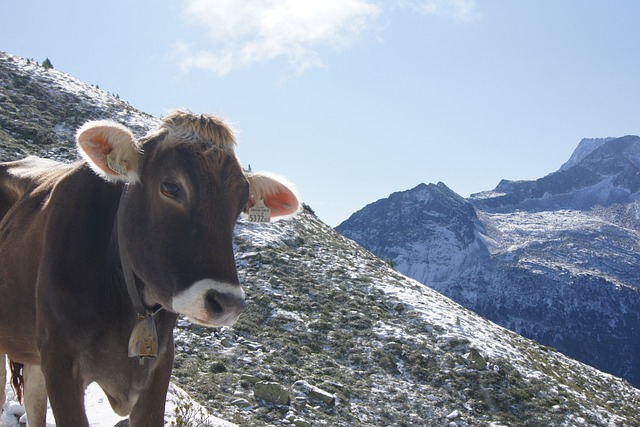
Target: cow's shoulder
23,176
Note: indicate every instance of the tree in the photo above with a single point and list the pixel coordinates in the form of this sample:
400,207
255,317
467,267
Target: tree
47,64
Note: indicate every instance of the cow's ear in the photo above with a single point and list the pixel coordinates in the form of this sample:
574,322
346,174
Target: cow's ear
110,149
278,194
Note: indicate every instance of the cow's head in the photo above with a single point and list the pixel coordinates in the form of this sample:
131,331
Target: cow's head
185,190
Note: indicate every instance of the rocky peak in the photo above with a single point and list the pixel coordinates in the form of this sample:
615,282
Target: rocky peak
403,227
584,148
608,174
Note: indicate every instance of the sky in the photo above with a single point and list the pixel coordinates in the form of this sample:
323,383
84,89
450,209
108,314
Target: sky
353,100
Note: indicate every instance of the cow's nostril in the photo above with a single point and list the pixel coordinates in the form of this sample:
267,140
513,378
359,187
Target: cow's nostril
209,302
214,301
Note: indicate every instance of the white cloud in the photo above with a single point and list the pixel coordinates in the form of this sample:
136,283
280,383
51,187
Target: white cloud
464,10
240,33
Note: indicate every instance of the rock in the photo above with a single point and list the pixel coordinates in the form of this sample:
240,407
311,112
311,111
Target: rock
314,392
394,346
252,346
453,415
217,367
241,403
249,378
271,392
476,360
299,422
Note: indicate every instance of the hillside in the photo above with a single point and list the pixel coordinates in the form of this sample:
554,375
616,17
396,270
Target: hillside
41,109
556,259
333,336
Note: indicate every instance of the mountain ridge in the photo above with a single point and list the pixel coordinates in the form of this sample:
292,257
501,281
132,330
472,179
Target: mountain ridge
608,174
542,251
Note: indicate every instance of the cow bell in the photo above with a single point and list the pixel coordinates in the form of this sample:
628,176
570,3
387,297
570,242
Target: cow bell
143,342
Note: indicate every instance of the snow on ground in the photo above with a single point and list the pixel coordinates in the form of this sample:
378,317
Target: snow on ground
100,413
97,408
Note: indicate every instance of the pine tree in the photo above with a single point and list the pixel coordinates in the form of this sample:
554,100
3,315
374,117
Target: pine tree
47,64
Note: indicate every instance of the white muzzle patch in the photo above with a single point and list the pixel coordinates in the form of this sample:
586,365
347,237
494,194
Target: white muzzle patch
209,302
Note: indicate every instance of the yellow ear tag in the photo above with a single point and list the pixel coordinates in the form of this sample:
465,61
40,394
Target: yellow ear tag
259,212
143,342
118,167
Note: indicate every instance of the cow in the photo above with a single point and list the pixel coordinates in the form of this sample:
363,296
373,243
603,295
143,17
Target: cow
100,256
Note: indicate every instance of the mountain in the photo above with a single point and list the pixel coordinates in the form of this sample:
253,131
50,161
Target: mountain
556,259
442,227
44,107
608,174
585,147
333,336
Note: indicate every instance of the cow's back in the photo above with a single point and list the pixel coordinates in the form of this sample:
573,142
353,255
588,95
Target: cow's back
25,187
21,178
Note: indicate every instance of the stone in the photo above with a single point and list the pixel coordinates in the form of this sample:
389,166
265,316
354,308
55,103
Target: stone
314,392
251,379
476,360
453,415
241,403
271,392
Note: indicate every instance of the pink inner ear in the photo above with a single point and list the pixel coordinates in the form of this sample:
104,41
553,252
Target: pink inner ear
276,193
284,202
102,145
97,148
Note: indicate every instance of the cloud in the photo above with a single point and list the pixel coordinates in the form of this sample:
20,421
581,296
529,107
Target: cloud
463,10
241,33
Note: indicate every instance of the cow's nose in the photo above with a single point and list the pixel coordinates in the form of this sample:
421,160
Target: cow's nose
210,302
225,307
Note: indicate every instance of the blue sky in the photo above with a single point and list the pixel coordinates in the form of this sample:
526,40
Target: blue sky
355,99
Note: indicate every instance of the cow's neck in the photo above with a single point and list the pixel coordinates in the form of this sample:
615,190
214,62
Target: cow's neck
130,280
143,342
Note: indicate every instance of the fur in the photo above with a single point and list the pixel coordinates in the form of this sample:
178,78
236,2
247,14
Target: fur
205,129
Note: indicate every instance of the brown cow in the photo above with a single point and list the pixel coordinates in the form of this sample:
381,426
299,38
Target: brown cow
99,257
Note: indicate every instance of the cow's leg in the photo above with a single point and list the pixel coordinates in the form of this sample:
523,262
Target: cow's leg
35,395
149,410
3,380
65,388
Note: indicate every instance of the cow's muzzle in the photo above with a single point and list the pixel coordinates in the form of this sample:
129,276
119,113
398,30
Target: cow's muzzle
209,302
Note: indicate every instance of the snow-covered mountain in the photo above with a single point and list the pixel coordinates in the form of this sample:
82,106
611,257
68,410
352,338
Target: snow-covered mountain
442,227
556,259
585,147
608,174
333,336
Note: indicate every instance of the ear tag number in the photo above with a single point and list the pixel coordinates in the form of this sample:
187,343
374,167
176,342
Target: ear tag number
116,166
259,212
143,342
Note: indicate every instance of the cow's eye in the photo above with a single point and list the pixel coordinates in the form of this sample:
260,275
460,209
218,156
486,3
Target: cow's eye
170,189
